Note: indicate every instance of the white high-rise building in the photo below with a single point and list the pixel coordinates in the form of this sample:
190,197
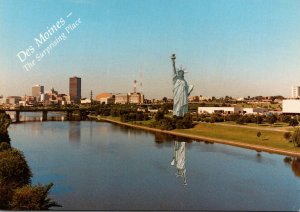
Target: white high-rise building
295,91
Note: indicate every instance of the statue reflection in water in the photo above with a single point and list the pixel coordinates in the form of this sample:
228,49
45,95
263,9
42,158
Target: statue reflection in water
178,160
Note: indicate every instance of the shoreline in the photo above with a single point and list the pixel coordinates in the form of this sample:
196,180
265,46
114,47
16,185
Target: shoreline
209,139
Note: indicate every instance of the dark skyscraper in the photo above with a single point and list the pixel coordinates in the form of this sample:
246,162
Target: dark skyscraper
75,89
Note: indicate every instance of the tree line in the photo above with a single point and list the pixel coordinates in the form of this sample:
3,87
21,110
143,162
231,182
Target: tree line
172,122
243,119
161,119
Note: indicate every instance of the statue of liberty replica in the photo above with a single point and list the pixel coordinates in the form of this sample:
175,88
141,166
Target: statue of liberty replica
181,90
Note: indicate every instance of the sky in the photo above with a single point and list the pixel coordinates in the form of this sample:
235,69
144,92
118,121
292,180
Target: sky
229,47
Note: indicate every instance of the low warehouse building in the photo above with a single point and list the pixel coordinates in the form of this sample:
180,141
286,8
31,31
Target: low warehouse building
291,106
225,110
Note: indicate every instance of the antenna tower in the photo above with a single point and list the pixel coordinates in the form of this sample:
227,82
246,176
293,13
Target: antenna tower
134,86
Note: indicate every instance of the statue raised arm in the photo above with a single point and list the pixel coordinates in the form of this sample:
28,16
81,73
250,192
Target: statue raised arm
173,58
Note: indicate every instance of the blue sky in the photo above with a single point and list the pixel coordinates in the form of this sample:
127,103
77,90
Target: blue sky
229,47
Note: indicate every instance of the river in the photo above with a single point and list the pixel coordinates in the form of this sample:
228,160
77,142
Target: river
103,166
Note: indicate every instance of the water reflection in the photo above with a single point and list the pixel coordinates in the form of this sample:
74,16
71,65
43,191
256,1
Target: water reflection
294,163
74,131
160,138
51,116
179,160
134,173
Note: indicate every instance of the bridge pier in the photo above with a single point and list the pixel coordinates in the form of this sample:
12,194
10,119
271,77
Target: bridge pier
69,115
17,116
44,118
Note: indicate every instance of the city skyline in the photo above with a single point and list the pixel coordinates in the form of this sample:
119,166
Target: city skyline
234,48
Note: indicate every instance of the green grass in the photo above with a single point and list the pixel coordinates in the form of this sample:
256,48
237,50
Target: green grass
146,123
277,125
247,135
110,117
143,123
273,139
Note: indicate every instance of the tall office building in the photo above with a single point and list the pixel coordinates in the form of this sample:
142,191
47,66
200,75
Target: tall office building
295,91
37,90
75,89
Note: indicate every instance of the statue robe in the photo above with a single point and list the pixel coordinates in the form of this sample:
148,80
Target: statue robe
181,91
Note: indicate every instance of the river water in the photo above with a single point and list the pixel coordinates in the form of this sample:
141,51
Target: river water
102,166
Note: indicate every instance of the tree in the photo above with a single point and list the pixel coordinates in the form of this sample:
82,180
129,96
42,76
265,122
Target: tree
14,169
259,119
167,124
240,120
16,191
124,118
216,117
4,146
271,119
296,137
6,193
139,116
212,119
207,119
258,134
159,115
114,112
285,118
166,107
293,122
32,198
179,124
250,119
233,117
187,121
132,116
5,121
287,136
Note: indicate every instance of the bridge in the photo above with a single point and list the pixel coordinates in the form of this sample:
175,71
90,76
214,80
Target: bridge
82,112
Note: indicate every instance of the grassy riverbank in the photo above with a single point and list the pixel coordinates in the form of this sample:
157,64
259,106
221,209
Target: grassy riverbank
242,136
247,135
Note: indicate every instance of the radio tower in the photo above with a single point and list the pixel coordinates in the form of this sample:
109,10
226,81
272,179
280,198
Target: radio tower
141,85
141,81
134,86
